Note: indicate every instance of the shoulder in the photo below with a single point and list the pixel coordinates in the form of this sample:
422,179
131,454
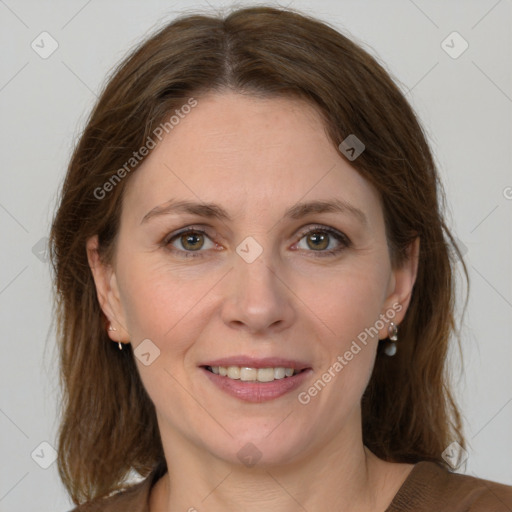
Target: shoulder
134,499
430,486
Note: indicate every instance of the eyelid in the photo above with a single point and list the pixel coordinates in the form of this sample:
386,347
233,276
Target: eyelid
341,237
319,227
210,233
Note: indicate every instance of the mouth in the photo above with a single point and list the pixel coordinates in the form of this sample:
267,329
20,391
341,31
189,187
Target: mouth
254,380
249,374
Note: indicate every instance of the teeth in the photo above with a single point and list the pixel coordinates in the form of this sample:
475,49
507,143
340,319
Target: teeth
252,374
248,374
279,373
265,375
234,372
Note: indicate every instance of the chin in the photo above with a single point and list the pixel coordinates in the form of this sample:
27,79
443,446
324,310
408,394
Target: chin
254,449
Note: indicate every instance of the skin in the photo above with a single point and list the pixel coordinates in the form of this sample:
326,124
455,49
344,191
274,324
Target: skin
255,158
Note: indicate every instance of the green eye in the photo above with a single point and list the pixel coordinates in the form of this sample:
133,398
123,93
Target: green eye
324,241
320,240
190,241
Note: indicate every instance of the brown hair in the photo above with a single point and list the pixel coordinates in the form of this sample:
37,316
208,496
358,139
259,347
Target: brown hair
109,424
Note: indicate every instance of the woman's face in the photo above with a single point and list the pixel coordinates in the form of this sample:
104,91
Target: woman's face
228,255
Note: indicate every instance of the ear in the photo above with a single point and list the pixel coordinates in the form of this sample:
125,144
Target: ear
107,292
400,287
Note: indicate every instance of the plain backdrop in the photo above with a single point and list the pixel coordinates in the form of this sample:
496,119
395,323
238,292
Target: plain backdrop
464,102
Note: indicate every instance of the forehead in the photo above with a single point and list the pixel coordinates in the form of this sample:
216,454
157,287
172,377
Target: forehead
247,154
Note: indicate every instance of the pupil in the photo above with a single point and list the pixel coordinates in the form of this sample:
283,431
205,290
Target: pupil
191,241
319,237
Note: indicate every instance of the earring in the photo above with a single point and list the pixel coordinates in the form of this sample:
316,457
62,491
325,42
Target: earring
390,347
110,328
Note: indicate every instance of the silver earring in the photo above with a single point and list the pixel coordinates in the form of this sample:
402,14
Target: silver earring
119,344
390,347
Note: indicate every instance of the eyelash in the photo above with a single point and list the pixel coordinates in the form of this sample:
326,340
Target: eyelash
340,237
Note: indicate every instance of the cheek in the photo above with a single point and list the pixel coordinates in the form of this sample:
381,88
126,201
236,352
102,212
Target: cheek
347,312
346,347
158,301
348,302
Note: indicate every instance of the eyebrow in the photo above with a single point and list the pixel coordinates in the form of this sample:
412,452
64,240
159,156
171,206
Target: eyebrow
297,211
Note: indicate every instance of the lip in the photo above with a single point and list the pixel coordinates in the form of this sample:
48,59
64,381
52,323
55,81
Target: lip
253,362
257,392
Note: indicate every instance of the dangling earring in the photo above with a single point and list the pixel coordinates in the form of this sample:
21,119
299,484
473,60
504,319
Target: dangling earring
119,344
390,347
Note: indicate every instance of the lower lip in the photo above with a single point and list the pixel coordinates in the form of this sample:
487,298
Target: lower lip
257,392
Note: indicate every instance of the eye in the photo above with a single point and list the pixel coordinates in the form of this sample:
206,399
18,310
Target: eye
189,241
320,240
324,241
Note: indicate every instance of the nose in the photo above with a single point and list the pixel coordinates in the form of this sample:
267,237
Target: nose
258,299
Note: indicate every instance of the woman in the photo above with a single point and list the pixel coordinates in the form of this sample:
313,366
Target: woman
244,256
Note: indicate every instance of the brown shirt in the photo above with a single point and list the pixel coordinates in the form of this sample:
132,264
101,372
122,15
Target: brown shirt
428,488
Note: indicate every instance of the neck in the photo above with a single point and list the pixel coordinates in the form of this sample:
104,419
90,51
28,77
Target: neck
339,475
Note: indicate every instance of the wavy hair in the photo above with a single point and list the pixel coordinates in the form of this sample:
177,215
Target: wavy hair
108,423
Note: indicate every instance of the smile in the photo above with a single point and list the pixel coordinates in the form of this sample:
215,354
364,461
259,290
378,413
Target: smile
256,380
247,374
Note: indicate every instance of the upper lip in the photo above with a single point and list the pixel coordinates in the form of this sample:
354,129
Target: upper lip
253,362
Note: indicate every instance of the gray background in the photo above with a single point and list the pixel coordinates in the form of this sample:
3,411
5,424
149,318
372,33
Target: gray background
465,104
